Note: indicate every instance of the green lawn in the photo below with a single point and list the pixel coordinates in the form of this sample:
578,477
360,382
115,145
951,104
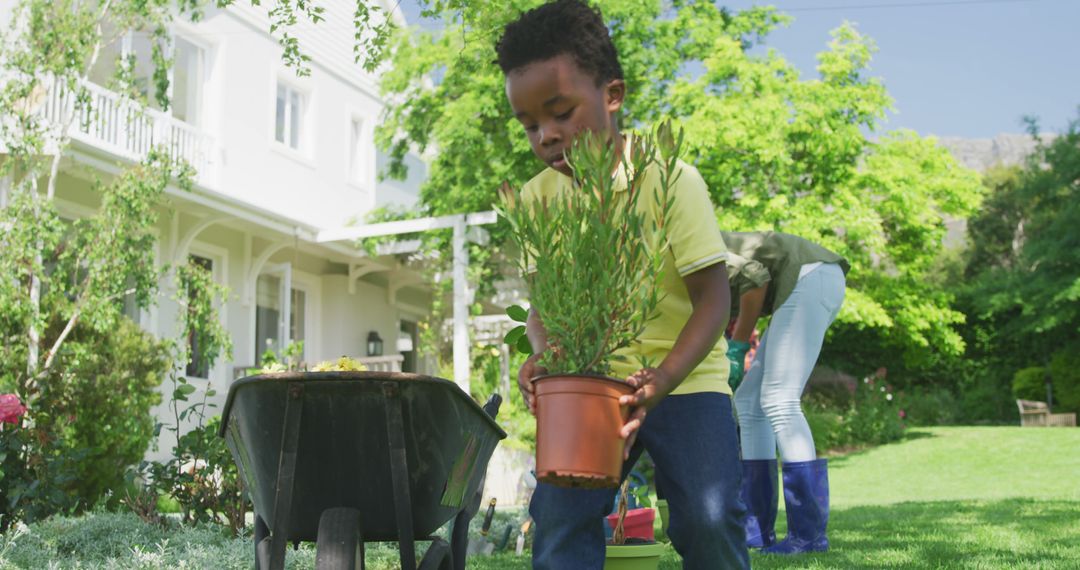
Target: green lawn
943,498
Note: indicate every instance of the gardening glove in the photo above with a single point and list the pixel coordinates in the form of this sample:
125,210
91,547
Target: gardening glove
736,353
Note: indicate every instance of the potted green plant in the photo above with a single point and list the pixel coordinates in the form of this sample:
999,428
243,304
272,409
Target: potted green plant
630,553
592,257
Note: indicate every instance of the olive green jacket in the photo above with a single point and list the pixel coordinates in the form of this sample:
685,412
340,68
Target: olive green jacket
757,258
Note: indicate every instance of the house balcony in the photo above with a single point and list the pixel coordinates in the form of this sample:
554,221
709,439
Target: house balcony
127,130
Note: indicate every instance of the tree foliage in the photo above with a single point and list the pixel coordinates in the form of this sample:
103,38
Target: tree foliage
1026,247
68,351
804,156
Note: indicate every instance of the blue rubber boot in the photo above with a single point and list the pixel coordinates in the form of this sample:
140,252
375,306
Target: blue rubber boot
806,499
760,496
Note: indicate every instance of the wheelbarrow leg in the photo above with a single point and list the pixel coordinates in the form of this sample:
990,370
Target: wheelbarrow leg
437,556
459,534
283,494
399,470
262,551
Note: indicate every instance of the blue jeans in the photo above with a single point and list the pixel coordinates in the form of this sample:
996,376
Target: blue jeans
692,440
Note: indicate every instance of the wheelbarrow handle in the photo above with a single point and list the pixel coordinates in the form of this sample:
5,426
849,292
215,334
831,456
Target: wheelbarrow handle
492,405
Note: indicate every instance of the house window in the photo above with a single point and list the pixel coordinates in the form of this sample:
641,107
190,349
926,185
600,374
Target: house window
187,77
268,312
187,82
198,366
357,152
130,307
288,117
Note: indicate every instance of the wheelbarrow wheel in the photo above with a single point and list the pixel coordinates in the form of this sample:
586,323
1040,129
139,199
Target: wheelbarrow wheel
338,545
437,556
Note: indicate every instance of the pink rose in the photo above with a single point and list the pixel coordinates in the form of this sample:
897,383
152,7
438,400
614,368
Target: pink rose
11,409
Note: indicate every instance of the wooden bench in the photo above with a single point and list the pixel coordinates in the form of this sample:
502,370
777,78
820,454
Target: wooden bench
1037,414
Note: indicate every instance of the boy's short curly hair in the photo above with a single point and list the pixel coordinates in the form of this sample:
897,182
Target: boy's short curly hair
561,27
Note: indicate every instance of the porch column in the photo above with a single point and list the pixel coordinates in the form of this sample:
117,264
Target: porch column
461,306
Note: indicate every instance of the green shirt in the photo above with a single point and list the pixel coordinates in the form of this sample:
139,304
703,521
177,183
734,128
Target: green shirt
757,258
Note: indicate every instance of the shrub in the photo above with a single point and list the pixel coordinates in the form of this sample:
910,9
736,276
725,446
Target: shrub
839,419
121,541
1030,383
203,479
874,417
514,415
827,426
1065,376
89,423
933,406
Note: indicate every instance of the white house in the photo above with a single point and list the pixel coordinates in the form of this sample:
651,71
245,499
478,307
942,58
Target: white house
287,169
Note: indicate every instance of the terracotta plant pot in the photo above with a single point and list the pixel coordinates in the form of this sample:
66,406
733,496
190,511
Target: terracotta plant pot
637,524
633,556
578,418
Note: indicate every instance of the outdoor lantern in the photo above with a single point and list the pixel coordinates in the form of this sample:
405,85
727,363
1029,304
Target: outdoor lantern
374,344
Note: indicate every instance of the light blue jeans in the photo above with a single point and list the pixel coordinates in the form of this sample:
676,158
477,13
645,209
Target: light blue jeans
767,401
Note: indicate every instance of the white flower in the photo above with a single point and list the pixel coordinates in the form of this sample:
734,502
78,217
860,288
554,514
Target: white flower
888,397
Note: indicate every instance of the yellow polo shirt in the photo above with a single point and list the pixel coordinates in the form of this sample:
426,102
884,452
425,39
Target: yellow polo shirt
695,243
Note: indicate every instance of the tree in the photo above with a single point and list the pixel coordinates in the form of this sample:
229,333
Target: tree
1022,271
64,282
1037,278
802,156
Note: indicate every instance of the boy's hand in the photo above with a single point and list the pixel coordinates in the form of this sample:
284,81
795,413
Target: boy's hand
651,384
529,370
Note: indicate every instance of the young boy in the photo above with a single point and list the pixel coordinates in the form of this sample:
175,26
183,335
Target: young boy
563,77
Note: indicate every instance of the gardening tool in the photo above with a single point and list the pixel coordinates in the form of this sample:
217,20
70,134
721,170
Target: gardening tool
482,545
520,547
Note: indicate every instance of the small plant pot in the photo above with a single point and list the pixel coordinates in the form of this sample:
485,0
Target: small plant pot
578,419
633,556
637,524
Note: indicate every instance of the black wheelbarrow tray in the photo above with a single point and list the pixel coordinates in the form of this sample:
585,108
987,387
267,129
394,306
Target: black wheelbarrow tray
344,458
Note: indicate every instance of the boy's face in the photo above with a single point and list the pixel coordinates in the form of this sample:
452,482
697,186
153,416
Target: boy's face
555,99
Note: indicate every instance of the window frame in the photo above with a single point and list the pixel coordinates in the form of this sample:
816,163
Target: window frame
219,257
302,151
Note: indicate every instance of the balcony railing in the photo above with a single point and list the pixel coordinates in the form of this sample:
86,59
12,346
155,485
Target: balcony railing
124,128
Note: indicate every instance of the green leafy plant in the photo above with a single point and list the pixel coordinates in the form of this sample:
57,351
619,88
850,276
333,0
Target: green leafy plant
203,479
516,336
869,413
592,256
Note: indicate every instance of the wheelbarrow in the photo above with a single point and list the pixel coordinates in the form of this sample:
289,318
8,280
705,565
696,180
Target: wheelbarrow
344,458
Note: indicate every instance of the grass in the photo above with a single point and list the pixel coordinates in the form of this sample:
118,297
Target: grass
980,497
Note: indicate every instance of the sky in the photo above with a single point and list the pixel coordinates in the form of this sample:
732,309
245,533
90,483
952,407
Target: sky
960,68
